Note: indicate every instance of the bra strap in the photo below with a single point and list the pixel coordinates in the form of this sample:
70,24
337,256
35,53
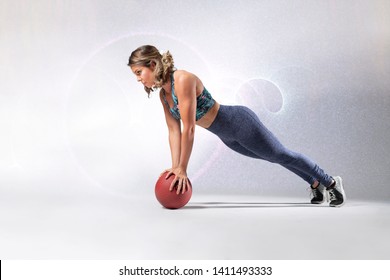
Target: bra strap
174,97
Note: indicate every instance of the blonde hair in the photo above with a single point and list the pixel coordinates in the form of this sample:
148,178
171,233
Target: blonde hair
148,55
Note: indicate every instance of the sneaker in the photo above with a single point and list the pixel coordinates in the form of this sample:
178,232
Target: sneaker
336,193
319,194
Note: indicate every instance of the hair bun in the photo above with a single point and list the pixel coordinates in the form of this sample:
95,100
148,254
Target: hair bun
167,59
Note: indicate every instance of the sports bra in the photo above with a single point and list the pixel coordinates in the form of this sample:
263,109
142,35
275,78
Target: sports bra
204,102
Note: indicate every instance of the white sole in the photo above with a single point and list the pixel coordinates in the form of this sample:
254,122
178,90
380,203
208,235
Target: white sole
339,182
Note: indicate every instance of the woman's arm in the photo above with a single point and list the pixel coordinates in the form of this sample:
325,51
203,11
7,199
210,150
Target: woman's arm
185,88
181,139
174,131
186,93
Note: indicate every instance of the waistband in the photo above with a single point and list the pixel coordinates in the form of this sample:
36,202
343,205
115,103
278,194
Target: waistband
218,123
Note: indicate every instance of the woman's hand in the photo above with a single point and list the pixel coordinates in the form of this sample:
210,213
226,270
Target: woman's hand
180,178
166,170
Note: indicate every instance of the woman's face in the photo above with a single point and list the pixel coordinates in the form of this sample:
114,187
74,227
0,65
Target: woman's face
144,75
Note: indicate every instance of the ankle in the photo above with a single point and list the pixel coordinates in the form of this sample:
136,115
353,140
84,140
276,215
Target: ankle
332,185
315,185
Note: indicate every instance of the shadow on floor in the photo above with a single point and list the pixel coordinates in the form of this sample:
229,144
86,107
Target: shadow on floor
232,204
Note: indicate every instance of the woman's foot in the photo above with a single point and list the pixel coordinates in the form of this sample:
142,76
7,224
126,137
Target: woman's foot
336,193
318,193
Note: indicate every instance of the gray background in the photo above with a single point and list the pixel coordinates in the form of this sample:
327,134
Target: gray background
73,114
75,124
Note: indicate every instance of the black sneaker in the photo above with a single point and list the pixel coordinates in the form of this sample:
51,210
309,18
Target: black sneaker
318,193
336,193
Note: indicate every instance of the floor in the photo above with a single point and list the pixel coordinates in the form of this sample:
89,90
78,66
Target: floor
38,226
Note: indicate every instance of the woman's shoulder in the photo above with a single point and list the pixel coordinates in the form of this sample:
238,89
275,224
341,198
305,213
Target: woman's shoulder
183,76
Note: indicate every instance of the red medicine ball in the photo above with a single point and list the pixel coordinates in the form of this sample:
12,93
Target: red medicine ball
168,199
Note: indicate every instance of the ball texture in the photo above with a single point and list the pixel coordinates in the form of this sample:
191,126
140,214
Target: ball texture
168,199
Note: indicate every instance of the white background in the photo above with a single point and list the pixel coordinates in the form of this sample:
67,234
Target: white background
76,127
72,114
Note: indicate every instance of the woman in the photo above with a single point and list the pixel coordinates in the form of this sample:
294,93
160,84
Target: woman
187,103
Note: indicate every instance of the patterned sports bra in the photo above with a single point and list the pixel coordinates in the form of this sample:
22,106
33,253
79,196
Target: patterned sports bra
204,102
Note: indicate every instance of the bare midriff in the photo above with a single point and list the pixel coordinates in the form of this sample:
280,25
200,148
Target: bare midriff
210,116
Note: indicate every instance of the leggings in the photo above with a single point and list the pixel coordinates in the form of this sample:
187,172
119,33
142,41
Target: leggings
242,131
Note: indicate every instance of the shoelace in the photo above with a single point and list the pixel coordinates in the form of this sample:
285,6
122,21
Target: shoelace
315,192
332,195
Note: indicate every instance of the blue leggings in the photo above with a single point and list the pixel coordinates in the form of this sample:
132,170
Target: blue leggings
242,131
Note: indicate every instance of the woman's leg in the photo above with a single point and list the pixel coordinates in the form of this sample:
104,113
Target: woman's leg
242,130
237,147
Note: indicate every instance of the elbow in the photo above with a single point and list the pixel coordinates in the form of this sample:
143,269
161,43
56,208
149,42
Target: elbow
189,130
